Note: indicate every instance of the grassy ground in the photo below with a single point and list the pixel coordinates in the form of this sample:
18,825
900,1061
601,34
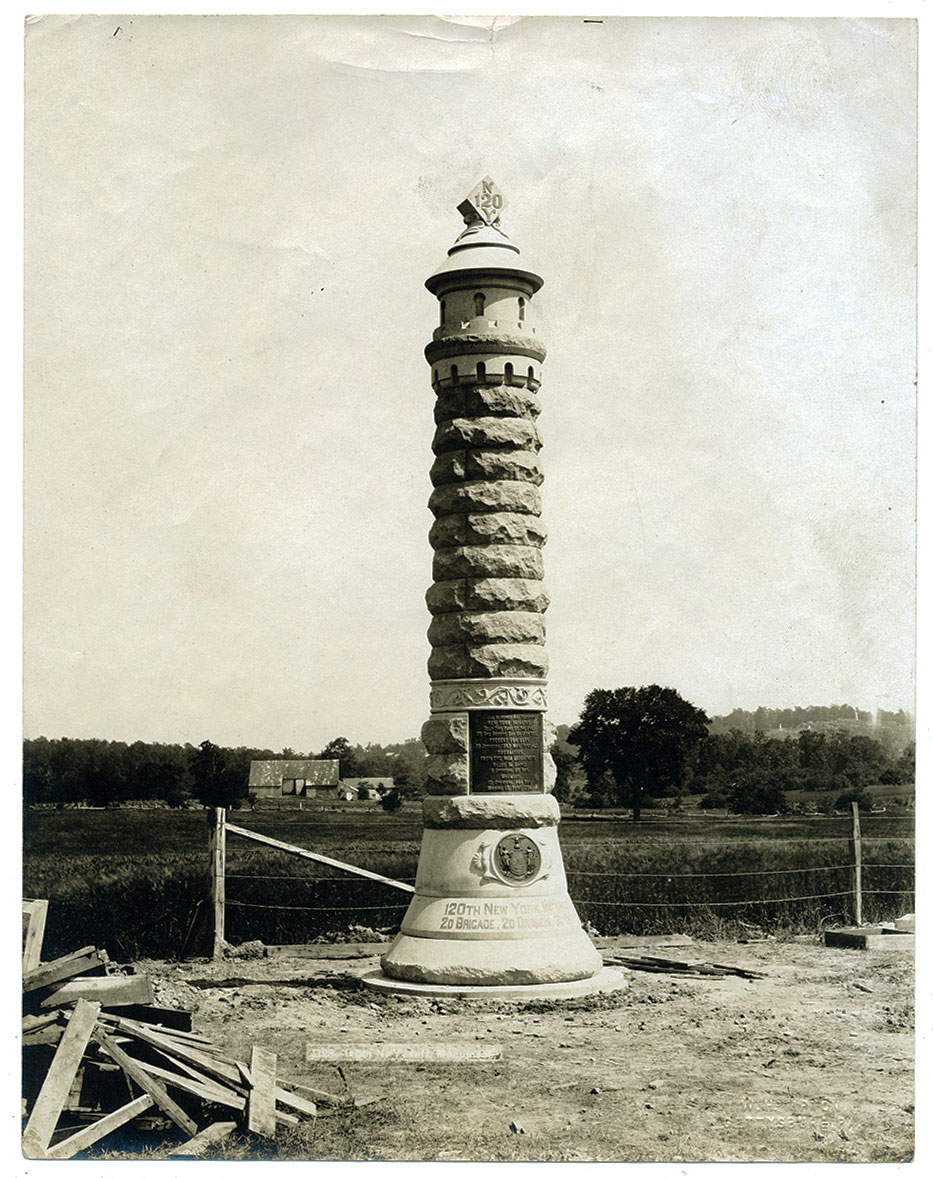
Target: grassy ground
135,881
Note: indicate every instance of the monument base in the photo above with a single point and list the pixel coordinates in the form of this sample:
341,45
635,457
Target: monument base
607,981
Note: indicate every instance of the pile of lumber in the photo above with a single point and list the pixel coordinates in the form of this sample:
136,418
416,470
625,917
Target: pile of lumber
98,1055
684,968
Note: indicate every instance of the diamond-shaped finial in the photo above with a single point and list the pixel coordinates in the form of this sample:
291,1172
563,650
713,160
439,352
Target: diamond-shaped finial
484,203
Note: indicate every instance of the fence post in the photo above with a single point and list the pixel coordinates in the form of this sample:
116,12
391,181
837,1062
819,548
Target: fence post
857,864
218,847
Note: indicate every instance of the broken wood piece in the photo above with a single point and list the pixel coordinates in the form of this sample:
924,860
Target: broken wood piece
212,1135
58,1080
115,990
261,1099
82,961
34,917
148,1083
94,1132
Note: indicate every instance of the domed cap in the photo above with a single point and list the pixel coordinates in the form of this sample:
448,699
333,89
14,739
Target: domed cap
482,247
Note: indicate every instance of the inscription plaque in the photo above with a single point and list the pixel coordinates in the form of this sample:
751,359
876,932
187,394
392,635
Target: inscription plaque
506,752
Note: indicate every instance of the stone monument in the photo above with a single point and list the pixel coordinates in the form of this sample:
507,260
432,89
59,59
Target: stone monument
490,907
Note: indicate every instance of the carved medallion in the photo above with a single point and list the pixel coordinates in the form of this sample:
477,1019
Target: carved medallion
517,858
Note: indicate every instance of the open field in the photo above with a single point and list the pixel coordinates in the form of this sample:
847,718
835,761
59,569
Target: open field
134,881
811,1063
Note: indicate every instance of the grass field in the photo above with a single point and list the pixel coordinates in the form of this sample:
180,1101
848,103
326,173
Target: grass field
135,881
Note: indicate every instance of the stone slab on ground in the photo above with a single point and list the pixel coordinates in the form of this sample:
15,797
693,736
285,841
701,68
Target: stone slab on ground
870,937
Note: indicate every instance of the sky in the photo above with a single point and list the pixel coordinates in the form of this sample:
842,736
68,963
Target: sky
228,415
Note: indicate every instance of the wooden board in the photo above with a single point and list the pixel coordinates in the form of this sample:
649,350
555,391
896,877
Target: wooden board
213,1134
73,964
35,913
203,1089
94,1132
58,1080
261,1099
109,991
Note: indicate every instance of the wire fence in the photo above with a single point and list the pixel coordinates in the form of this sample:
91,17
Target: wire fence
616,886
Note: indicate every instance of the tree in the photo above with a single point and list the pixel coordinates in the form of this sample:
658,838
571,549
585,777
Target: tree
645,737
215,782
339,749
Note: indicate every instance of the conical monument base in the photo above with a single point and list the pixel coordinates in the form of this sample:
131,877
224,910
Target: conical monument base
491,907
607,981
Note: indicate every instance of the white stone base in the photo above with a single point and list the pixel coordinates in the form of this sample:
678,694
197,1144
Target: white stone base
605,982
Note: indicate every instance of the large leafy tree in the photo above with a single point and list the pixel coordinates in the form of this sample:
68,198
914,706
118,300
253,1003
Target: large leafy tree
642,739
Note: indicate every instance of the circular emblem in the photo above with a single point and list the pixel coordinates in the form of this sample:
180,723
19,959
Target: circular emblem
517,858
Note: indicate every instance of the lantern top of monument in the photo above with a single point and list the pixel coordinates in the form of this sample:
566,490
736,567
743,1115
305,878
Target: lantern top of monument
482,246
484,203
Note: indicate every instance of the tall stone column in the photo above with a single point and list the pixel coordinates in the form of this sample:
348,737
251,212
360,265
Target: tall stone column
491,904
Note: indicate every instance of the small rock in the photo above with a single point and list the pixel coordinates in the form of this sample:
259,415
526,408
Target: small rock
655,1083
594,1092
517,1127
249,949
861,986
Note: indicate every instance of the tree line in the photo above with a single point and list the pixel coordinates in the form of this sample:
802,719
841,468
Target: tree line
110,772
630,746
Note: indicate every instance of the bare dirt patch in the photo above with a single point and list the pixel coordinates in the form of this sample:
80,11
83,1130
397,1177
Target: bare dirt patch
813,1062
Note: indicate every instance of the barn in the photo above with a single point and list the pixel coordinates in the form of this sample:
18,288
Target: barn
285,782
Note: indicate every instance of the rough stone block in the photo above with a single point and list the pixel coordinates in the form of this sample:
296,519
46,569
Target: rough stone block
516,433
522,465
490,560
470,628
489,812
550,769
503,527
449,468
450,531
479,496
499,659
448,732
446,596
450,403
506,593
513,401
448,773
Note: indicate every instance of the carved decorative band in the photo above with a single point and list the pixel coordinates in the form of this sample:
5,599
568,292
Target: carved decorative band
455,695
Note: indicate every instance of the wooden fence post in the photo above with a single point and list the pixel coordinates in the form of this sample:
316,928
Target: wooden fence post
218,847
857,864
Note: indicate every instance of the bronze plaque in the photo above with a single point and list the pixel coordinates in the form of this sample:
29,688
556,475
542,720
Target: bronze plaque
506,752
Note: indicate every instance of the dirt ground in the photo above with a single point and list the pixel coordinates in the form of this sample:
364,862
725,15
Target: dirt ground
812,1063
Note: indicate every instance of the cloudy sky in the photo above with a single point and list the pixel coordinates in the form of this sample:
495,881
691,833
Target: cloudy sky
228,414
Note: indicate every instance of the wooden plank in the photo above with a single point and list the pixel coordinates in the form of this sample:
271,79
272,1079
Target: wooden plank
381,1053
261,1100
148,1083
35,1022
166,1017
62,968
211,1091
58,1080
212,1135
329,1099
293,1101
35,913
88,1136
108,991
304,854
856,865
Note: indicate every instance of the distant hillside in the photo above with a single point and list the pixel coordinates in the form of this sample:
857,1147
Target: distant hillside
895,730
